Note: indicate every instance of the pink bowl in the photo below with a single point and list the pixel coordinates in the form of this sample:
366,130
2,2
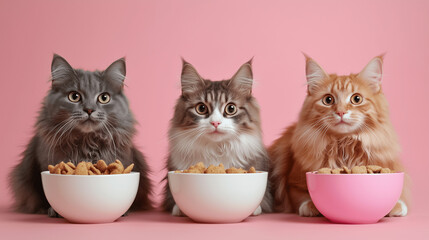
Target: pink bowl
355,198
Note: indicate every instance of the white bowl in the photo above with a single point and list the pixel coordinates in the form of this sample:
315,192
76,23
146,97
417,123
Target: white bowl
90,199
218,198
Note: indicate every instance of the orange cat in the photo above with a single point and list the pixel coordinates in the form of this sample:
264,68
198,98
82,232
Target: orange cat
344,122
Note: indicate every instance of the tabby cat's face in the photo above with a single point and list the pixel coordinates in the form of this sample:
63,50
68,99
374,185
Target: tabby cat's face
216,110
344,104
87,101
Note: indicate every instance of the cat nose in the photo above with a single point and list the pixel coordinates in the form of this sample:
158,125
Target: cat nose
89,111
340,114
215,123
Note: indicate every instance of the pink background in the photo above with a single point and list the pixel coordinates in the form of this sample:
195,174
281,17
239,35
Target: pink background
217,37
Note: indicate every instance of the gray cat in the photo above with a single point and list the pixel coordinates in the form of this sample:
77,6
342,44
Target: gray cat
84,117
216,122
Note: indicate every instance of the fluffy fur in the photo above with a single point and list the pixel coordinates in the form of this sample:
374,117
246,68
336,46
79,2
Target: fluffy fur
83,130
236,141
333,135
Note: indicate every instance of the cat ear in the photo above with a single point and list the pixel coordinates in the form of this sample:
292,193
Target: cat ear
61,71
314,73
243,79
115,73
191,81
372,73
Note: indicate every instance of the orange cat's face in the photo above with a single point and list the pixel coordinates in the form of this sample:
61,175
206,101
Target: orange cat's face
343,104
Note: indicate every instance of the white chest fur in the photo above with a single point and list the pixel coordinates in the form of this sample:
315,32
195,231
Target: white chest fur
235,152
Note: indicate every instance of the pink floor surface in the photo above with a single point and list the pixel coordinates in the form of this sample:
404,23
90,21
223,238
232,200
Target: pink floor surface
159,225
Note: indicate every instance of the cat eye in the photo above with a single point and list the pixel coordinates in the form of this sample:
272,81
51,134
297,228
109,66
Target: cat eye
74,96
356,99
230,109
201,109
328,100
104,98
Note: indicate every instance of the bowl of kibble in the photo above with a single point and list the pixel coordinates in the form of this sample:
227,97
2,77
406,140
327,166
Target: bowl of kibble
90,193
360,195
214,194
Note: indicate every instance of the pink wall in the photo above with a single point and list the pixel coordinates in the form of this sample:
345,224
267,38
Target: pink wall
217,37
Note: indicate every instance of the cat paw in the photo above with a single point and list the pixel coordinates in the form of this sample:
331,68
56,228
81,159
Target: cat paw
177,212
307,209
258,211
53,214
399,210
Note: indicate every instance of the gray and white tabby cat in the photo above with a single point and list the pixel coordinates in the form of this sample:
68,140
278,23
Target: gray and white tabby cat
216,122
84,117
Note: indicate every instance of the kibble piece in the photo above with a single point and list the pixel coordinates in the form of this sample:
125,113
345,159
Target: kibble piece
215,169
129,168
252,170
337,171
192,170
200,166
81,169
324,171
385,170
51,168
61,165
94,170
101,165
68,169
57,169
116,167
347,170
197,168
235,170
359,170
88,165
374,168
71,165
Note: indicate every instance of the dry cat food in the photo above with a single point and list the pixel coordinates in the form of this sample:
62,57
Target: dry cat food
355,170
200,168
87,168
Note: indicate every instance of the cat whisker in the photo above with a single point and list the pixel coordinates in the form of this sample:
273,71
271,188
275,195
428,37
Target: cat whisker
114,129
67,130
111,137
189,137
53,140
193,140
321,129
310,128
184,132
48,134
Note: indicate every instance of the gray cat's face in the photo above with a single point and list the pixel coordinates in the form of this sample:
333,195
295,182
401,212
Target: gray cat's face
87,101
216,110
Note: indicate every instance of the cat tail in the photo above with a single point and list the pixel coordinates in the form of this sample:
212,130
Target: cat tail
281,162
143,199
25,182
